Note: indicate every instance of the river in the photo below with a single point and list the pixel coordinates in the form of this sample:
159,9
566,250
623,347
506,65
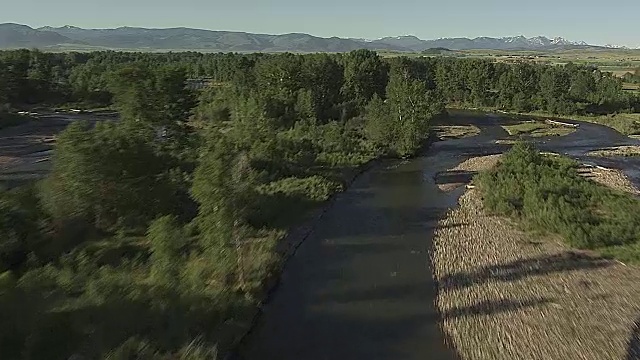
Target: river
361,285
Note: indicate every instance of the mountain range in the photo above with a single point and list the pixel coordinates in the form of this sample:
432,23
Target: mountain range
183,39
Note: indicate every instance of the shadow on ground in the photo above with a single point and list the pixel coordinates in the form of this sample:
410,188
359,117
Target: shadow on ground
489,307
633,349
543,265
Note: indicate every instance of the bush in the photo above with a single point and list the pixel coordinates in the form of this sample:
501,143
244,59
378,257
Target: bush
316,188
548,194
20,224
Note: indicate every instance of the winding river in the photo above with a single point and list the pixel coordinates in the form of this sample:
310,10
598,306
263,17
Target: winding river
361,285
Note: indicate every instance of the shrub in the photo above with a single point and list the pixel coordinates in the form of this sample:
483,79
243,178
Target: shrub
548,194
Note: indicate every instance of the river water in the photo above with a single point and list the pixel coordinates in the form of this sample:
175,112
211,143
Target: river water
361,285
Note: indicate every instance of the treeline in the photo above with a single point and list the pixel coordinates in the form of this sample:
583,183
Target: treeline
36,77
547,194
152,236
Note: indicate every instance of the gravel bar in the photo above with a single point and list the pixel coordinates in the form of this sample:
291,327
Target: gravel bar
504,294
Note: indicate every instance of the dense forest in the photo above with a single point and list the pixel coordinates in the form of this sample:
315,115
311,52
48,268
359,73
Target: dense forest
33,77
153,235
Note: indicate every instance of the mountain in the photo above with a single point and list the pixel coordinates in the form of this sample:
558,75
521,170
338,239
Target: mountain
182,39
21,36
504,43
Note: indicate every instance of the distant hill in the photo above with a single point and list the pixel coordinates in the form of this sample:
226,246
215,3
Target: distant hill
182,39
22,36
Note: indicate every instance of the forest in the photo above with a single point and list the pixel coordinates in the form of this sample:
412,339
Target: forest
153,235
34,77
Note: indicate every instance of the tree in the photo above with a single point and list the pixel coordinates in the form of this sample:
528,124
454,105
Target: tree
211,189
279,79
167,239
410,112
133,89
324,77
109,176
364,76
379,129
4,96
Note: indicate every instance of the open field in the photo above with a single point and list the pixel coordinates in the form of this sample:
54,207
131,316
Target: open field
617,61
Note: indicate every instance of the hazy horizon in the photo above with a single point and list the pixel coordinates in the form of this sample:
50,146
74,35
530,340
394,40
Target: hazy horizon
573,20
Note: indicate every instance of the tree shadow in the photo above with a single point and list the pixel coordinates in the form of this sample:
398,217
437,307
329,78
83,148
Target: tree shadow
633,348
542,265
488,307
162,318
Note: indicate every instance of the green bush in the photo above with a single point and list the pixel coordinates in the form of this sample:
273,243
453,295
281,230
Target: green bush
548,194
20,226
316,188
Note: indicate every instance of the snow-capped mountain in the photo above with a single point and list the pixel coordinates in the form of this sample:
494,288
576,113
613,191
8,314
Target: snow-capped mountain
503,43
612,46
22,36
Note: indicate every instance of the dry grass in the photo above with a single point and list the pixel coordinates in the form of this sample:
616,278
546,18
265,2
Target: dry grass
472,165
444,132
505,294
612,178
617,151
537,129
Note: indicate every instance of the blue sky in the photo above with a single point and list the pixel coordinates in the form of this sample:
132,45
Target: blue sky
597,22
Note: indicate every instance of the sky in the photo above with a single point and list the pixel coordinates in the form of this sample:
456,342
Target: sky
594,21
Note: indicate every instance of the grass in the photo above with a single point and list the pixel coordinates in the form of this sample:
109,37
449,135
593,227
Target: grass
627,124
537,129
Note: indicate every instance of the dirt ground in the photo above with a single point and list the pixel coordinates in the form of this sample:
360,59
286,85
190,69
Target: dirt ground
505,294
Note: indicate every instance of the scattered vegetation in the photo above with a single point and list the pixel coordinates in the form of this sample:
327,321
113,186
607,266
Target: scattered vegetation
455,131
626,151
537,129
547,194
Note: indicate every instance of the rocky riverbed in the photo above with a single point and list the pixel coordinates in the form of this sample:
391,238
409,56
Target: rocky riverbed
506,294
